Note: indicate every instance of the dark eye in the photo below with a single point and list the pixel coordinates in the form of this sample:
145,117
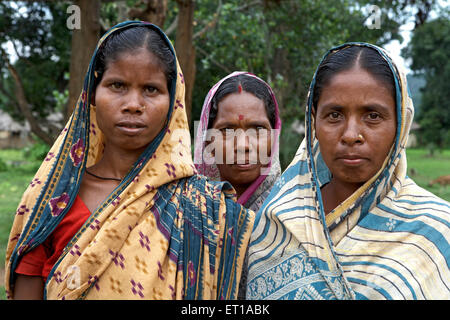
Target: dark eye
334,116
117,85
150,89
374,116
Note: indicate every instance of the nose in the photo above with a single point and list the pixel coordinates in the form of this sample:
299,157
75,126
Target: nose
352,132
241,146
242,141
133,103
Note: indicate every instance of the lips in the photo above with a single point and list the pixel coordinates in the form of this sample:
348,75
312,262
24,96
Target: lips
246,166
131,127
131,124
351,159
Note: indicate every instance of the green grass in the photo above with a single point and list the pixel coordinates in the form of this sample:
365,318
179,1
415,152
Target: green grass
20,171
422,169
13,183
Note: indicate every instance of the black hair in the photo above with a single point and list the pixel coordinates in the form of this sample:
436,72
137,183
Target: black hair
248,84
129,39
367,58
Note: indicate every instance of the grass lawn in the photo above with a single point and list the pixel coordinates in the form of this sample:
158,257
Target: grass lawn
13,183
427,168
21,170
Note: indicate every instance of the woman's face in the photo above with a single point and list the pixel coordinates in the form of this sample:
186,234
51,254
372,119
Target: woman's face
355,124
244,138
132,100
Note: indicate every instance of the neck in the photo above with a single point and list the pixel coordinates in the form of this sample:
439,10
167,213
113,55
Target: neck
240,189
336,192
115,163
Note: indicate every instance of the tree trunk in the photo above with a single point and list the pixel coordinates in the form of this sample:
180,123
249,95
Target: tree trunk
185,49
155,12
280,66
35,124
84,41
277,60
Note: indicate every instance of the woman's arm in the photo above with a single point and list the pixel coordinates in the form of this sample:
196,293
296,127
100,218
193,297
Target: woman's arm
28,288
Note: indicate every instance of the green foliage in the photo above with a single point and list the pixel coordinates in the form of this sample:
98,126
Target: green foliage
430,54
42,44
282,42
60,99
3,166
37,151
415,85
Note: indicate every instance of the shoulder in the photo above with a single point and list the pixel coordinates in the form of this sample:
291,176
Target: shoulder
418,204
414,194
214,201
215,194
205,185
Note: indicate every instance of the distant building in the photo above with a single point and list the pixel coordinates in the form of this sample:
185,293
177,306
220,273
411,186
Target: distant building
12,133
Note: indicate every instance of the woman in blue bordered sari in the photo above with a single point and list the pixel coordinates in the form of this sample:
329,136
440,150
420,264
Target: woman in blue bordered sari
344,221
161,231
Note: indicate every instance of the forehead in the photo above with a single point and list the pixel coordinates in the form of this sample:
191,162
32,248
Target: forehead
133,57
139,63
356,86
241,106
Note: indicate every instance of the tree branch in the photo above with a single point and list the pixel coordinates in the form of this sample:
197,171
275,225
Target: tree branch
23,103
217,63
8,94
210,24
248,5
172,27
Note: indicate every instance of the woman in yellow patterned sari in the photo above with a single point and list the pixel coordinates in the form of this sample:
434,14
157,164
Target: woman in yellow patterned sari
116,210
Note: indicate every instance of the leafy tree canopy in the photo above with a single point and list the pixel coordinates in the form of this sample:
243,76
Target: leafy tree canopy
429,51
280,41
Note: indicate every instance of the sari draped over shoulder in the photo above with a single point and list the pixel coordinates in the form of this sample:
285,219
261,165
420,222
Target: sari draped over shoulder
163,233
257,192
388,240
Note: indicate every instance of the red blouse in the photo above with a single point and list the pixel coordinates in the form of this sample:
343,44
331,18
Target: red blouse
40,261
